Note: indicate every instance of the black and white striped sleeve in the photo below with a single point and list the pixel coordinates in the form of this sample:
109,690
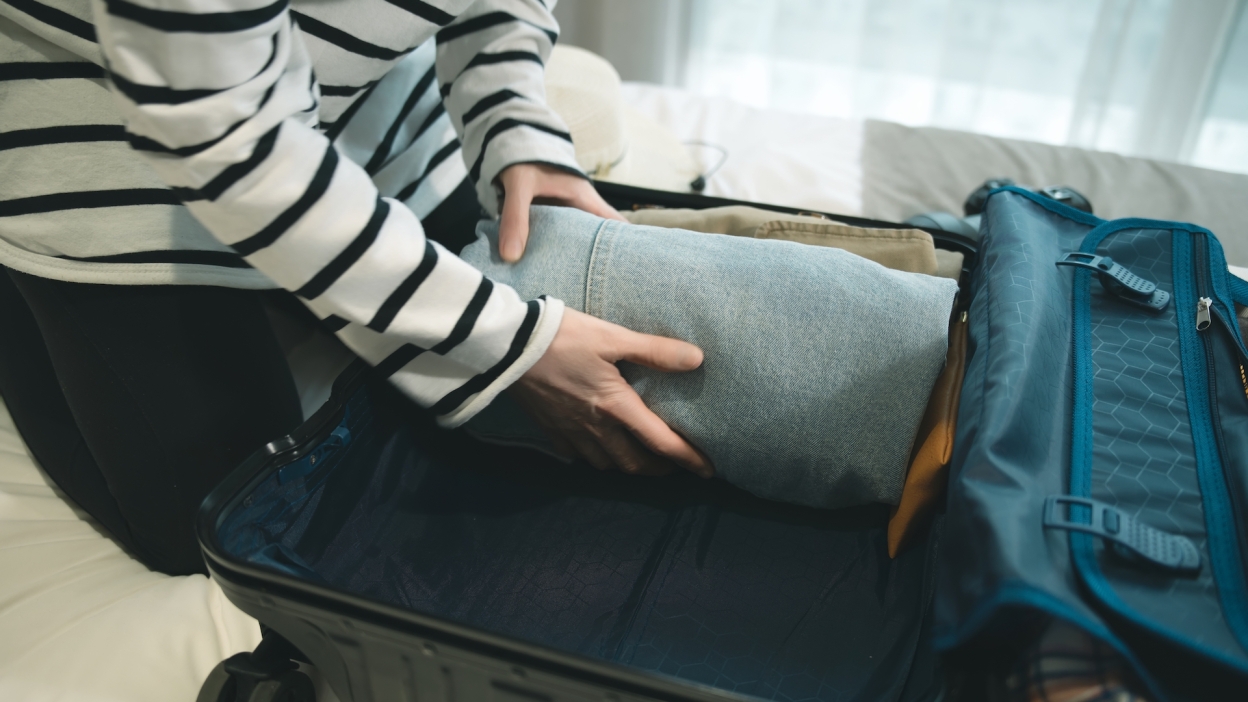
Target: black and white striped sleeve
490,66
221,98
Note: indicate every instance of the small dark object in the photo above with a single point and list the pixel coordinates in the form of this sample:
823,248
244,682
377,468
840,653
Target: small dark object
1067,196
945,222
976,201
268,674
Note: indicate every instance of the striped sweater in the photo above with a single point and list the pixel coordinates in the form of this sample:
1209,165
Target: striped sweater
263,143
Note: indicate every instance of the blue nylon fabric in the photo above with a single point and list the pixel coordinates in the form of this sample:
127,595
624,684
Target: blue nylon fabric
1029,322
1117,467
1013,432
1239,290
677,575
1223,545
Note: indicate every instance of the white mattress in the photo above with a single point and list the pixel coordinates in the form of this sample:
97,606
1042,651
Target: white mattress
82,621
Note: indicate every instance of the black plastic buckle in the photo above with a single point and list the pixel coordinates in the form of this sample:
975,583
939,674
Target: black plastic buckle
1115,278
1161,548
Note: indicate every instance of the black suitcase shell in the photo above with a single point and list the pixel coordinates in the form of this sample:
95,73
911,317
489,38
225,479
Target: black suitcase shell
419,566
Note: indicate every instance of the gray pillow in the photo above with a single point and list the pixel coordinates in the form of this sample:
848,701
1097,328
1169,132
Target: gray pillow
818,363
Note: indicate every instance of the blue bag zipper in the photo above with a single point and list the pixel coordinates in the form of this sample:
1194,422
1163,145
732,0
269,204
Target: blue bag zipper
1223,541
1224,509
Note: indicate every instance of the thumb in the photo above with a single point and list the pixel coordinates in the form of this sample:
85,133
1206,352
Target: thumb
513,230
658,352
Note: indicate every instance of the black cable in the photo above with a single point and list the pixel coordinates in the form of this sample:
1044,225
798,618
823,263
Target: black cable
699,184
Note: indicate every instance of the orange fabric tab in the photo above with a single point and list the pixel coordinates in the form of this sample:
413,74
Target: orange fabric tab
933,447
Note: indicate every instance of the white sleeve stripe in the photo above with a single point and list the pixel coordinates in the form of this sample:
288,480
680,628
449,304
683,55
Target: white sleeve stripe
479,382
399,297
486,21
492,60
57,19
345,41
270,233
330,274
387,142
198,22
452,147
504,125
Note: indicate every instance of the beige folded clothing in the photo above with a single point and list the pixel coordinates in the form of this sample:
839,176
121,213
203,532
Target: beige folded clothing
910,250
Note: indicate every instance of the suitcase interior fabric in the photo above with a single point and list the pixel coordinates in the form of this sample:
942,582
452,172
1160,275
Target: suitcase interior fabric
683,577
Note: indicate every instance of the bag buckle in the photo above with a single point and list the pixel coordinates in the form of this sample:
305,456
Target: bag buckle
1116,279
1130,536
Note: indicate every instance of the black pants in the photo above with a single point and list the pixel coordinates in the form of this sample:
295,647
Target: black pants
138,400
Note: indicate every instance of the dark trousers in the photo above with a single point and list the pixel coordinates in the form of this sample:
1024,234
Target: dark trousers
138,400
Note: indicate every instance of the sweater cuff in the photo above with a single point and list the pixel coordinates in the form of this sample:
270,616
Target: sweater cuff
521,145
539,341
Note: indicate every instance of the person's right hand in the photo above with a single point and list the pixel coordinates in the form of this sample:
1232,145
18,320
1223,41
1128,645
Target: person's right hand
576,393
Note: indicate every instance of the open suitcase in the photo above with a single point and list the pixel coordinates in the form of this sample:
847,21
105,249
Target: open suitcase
1098,478
410,563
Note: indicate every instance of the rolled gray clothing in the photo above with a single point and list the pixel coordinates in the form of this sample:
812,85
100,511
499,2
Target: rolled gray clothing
818,363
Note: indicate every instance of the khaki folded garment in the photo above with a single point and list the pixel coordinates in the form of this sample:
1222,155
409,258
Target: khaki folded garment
910,250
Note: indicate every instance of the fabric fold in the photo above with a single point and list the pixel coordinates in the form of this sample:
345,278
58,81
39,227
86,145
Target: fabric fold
818,363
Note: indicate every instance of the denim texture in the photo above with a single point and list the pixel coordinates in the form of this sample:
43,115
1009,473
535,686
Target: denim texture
818,363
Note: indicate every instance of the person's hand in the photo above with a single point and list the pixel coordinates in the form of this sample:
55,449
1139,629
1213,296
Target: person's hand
528,183
577,395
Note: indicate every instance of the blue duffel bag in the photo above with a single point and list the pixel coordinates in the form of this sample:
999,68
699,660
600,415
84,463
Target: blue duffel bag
1100,468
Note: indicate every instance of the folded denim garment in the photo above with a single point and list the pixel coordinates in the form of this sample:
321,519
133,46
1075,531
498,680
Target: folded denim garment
818,363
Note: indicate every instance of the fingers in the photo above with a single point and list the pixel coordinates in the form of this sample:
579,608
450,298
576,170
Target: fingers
630,456
653,433
590,201
589,449
657,352
513,229
524,182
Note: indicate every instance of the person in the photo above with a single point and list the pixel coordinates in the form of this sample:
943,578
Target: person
333,149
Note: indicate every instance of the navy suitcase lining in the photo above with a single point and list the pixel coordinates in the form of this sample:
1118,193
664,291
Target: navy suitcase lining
679,576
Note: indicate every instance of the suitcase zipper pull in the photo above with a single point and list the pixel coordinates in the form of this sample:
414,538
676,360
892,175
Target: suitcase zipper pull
1203,318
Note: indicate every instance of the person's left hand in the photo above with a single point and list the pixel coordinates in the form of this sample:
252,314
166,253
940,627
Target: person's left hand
528,183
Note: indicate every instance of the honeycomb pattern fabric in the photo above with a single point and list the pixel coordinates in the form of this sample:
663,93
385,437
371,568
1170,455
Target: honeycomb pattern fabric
690,578
1143,460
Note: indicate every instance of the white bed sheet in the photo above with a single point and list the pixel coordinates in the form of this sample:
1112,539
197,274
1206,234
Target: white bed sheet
80,620
782,158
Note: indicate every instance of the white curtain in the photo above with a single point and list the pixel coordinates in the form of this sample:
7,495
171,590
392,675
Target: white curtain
1166,79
